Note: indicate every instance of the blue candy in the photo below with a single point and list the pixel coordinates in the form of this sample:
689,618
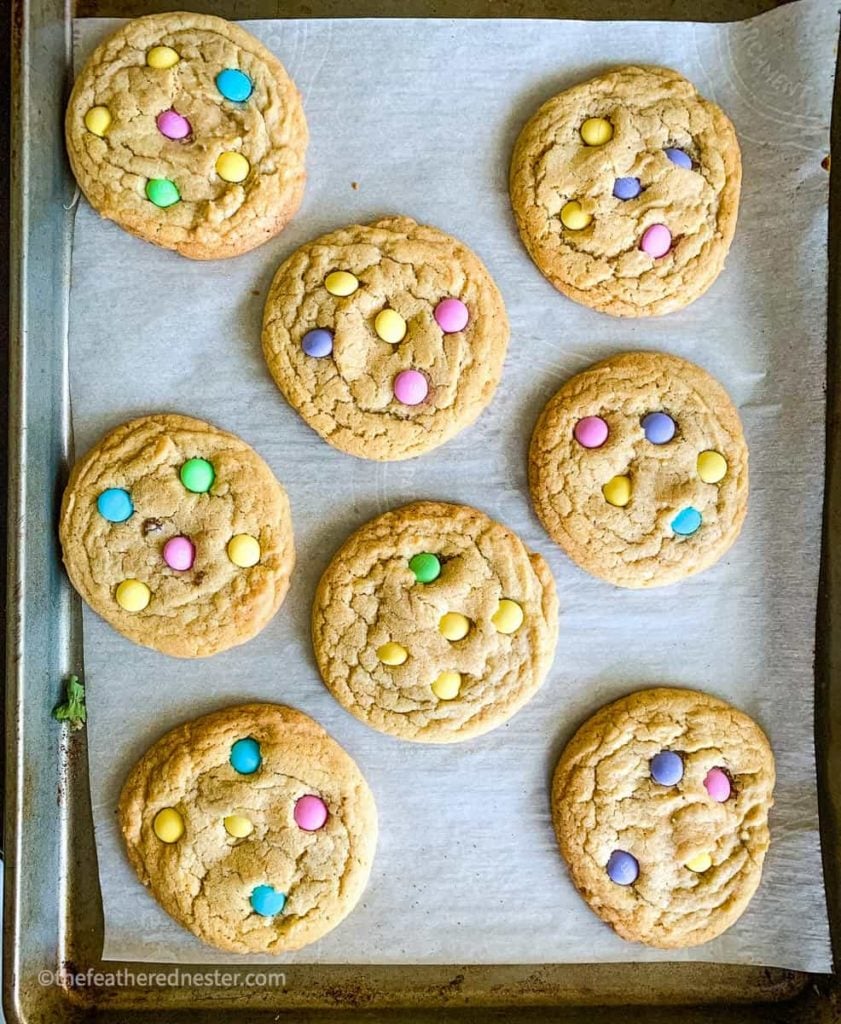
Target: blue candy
659,427
267,901
115,505
627,188
666,768
687,521
234,85
622,868
245,756
678,157
317,342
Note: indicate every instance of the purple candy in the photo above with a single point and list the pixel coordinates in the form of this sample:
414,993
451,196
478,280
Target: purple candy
622,868
451,315
173,125
666,768
627,188
317,342
678,157
659,427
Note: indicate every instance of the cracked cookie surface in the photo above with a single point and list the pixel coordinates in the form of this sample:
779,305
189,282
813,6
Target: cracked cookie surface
384,647
205,876
605,799
211,604
214,217
668,484
349,393
598,260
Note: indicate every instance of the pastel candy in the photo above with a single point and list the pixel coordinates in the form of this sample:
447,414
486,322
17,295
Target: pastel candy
700,862
617,491
656,240
179,553
392,654
318,342
410,387
425,566
132,595
659,427
162,57
508,617
197,475
244,550
596,131
390,326
717,784
451,315
447,685
115,505
172,125
454,626
627,188
98,120
574,217
622,868
341,283
162,192
310,813
267,901
238,826
168,825
245,756
687,521
590,432
666,768
234,85
712,467
232,167
678,157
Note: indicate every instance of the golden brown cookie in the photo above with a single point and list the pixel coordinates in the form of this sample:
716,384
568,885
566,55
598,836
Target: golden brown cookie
251,827
388,338
178,535
660,803
626,191
185,130
638,468
434,623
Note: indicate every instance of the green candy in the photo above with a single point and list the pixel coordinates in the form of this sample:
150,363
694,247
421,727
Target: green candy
425,566
162,192
197,475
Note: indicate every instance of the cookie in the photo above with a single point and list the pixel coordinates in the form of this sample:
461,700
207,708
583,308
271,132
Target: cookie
388,338
626,191
178,535
252,828
434,623
638,468
186,131
660,803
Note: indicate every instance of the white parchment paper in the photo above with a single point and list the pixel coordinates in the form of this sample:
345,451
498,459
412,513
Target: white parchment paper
423,116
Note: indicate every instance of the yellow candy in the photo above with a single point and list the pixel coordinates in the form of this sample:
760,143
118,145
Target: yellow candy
596,131
712,467
508,617
244,550
447,685
238,826
168,825
700,862
98,120
392,654
454,626
617,491
573,217
162,57
232,167
341,283
133,596
390,326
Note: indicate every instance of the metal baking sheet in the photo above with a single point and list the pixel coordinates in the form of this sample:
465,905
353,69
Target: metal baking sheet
746,627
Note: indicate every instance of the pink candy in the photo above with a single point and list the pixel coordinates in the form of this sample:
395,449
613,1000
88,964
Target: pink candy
173,125
656,240
451,315
310,813
717,785
590,432
179,553
410,387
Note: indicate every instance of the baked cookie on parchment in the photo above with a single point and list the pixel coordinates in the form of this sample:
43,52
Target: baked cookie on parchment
178,535
434,623
638,469
387,338
626,190
660,803
252,828
186,131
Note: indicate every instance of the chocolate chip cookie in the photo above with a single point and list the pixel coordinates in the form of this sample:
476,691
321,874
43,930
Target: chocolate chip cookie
185,130
434,623
638,468
178,535
660,803
387,338
626,191
251,827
